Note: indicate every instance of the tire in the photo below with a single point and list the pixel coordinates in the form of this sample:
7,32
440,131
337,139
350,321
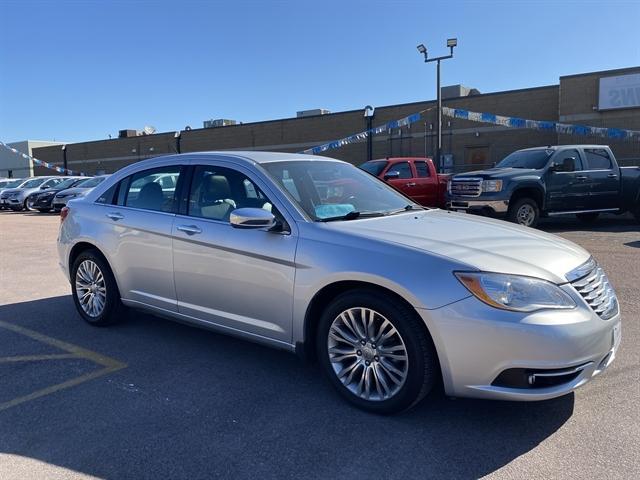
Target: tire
420,367
587,217
524,211
44,210
636,213
111,309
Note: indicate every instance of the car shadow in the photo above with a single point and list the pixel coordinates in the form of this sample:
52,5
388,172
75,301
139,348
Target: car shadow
196,404
604,223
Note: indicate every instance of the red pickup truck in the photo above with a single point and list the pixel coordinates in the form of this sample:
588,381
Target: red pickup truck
416,177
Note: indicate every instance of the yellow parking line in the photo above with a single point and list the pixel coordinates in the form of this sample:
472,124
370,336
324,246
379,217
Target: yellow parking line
35,358
73,351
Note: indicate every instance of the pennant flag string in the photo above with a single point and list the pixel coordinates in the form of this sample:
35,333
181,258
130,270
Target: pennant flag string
358,137
542,125
50,166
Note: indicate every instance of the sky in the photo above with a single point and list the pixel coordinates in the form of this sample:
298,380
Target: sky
82,70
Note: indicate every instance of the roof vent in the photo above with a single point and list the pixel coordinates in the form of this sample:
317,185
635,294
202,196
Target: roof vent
312,113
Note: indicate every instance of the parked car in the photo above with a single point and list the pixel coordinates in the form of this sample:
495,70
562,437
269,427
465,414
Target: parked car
61,198
7,185
415,177
391,297
584,180
43,201
16,198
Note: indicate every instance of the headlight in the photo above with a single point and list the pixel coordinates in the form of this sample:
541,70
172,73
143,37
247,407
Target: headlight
491,185
515,292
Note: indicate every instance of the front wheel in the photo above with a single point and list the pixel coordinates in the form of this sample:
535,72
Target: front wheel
524,211
375,352
94,289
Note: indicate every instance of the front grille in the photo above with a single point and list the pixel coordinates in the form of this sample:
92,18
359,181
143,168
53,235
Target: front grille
466,187
595,288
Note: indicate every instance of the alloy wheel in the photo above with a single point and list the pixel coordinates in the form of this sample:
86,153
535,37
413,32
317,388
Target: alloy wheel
526,215
91,288
367,354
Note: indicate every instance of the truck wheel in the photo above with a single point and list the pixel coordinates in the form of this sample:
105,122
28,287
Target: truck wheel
524,211
636,213
587,217
375,352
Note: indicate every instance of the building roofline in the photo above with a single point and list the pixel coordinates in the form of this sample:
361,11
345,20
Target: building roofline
616,70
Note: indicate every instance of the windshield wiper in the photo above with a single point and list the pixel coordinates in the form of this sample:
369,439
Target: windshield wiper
349,216
406,208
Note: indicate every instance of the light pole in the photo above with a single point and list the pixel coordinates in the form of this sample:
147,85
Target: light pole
369,112
451,43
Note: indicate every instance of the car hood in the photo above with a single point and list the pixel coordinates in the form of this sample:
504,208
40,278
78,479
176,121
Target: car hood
499,173
482,243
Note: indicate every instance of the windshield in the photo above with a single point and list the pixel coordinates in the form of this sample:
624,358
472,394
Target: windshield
91,182
535,159
13,183
36,182
333,190
374,167
69,182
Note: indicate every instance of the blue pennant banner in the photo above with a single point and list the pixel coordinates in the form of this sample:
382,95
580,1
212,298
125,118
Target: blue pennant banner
64,171
358,137
564,128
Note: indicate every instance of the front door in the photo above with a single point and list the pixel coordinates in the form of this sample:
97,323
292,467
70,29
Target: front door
241,279
404,181
567,190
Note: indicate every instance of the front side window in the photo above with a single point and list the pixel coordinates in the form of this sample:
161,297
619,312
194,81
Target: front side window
327,189
597,159
574,163
145,189
217,191
403,168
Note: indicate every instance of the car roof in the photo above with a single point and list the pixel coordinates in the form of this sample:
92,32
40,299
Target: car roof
557,147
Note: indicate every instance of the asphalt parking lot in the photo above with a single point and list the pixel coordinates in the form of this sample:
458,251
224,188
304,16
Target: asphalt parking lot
150,398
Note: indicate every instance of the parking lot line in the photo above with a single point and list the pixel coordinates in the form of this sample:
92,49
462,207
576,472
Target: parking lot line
109,365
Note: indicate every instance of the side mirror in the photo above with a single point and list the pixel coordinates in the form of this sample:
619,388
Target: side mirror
44,187
392,175
252,218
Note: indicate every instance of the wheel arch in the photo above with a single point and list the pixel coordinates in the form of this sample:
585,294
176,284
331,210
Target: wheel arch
532,191
306,348
83,246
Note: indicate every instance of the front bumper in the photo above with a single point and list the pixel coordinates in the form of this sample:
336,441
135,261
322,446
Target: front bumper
476,343
495,207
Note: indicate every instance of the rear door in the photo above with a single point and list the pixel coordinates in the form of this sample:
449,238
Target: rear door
426,188
138,233
567,190
604,179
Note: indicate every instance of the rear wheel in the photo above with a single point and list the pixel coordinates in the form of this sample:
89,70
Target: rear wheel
44,210
94,289
524,211
375,352
588,217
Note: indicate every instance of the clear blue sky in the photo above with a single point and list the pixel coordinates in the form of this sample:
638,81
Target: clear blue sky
78,71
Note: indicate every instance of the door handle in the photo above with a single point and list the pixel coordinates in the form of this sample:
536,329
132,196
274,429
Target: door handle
189,229
115,216
412,184
582,177
612,175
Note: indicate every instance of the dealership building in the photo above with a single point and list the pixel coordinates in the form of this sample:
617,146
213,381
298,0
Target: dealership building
600,99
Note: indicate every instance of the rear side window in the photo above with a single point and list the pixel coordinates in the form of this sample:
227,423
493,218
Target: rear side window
421,169
597,159
153,189
403,168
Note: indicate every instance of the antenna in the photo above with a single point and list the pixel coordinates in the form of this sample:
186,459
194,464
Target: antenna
149,130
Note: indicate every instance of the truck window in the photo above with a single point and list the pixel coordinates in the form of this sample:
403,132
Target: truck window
421,168
403,168
570,154
597,159
374,167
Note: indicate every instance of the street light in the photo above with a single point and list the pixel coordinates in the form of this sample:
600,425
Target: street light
451,43
369,112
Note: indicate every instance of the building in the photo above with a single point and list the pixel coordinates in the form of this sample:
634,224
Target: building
16,166
603,99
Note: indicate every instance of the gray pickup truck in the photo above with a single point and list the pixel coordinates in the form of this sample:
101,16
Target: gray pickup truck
584,180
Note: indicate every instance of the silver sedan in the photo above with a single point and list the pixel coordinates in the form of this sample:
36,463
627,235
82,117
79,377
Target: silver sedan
315,256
